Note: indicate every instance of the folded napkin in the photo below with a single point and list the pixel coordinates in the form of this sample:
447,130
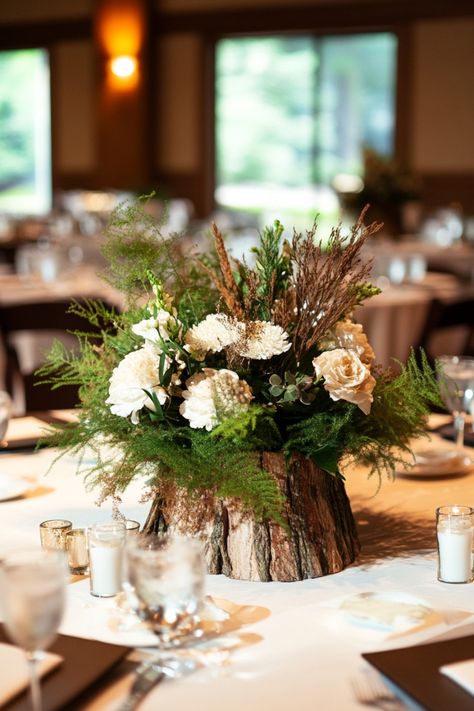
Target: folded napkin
462,673
14,676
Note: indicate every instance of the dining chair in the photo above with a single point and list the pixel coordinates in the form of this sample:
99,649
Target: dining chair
441,319
43,322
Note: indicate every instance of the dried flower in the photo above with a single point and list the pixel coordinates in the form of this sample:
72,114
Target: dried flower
213,396
346,377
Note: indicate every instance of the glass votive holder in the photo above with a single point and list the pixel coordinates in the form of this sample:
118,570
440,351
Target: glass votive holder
77,551
53,533
454,533
132,527
106,543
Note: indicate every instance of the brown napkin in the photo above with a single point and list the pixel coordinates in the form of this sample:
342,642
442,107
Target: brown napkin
14,676
416,670
462,673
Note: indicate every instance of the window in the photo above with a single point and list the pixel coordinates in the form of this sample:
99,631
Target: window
25,132
294,112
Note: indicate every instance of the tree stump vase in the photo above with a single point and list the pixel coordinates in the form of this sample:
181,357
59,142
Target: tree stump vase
321,537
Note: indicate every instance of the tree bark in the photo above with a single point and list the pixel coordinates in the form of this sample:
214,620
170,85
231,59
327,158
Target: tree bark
321,537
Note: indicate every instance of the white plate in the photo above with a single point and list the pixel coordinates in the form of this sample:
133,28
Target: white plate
441,462
11,487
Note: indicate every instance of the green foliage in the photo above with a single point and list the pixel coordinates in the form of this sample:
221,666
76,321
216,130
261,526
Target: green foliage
254,428
398,413
135,248
272,269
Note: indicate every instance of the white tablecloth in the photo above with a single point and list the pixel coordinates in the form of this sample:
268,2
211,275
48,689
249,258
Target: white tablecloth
307,651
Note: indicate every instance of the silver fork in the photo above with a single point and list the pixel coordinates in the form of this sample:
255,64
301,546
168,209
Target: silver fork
150,673
147,675
370,690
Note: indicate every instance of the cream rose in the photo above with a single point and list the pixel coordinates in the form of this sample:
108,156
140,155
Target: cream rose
136,373
346,377
351,336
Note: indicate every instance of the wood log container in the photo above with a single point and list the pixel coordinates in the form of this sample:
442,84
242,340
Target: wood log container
321,537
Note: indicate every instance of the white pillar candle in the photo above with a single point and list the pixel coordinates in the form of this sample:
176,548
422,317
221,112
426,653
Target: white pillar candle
106,546
455,540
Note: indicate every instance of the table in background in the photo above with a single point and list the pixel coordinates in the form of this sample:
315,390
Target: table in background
394,319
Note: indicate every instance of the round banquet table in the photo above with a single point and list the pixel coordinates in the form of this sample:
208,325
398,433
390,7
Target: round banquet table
305,652
394,319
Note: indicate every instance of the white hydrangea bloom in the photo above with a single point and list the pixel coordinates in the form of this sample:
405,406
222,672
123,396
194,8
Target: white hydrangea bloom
262,340
346,377
213,396
155,330
136,373
216,332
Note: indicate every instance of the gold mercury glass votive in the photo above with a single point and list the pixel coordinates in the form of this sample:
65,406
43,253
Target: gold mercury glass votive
77,551
53,533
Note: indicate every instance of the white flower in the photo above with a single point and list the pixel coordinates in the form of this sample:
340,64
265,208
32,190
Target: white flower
261,340
346,377
136,373
258,340
155,330
213,396
216,332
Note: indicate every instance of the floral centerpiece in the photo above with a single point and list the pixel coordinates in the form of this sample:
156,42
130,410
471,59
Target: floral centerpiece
236,391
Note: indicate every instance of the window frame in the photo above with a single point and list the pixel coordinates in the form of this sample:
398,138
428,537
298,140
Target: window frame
47,51
403,92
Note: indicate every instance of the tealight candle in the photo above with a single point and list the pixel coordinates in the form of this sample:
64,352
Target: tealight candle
106,545
454,529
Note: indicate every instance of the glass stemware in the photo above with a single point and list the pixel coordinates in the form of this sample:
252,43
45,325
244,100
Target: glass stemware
167,577
456,383
32,586
5,414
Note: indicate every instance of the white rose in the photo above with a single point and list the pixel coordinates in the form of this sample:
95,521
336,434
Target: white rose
136,373
346,377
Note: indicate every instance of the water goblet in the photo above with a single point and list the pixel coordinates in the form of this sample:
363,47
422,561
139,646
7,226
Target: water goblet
5,414
167,577
32,585
456,384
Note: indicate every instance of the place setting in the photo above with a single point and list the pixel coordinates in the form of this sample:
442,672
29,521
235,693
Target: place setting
158,588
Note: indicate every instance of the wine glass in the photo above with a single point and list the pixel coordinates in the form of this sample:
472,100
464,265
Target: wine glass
5,414
456,384
167,576
32,587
